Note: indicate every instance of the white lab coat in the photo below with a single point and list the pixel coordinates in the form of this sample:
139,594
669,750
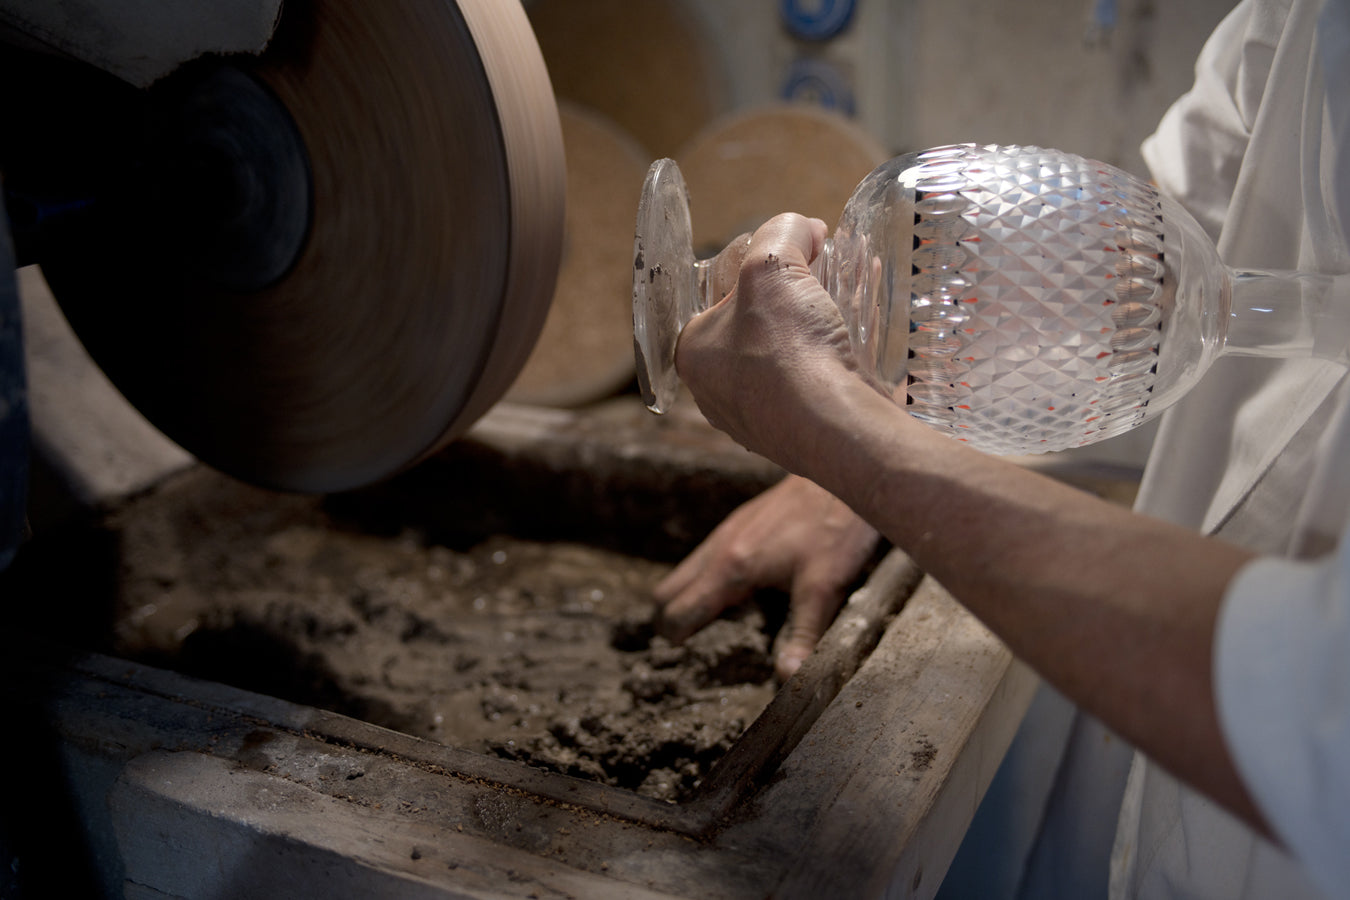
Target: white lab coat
1259,454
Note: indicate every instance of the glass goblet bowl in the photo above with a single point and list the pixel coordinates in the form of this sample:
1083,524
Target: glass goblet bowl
1020,299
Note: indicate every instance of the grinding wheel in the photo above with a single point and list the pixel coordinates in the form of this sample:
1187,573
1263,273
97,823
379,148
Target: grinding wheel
344,249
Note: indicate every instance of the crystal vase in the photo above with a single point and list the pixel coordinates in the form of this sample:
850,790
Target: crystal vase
1020,299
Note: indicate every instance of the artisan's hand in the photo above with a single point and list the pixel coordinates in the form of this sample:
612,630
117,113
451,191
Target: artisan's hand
764,361
795,537
1055,572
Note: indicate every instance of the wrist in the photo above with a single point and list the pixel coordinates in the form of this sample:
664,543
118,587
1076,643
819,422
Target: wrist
852,429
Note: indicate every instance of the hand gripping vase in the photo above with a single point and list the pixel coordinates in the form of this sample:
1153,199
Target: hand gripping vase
1021,299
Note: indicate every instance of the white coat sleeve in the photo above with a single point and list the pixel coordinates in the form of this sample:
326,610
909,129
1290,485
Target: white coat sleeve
1282,677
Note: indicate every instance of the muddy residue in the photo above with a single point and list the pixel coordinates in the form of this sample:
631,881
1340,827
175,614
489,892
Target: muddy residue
539,651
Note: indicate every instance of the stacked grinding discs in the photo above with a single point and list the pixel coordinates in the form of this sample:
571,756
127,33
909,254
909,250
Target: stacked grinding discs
646,65
639,80
432,167
584,351
633,78
740,170
751,165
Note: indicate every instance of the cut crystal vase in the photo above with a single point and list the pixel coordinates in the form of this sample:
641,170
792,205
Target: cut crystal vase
1018,298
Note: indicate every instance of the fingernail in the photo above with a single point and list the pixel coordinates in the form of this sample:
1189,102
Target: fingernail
788,663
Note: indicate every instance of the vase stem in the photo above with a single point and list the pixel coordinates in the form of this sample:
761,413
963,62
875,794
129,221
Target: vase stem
1283,314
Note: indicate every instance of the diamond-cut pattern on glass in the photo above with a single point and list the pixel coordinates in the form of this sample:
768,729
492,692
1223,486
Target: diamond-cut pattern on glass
1016,334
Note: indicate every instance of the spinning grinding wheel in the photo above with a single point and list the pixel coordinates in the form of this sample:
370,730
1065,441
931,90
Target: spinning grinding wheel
338,254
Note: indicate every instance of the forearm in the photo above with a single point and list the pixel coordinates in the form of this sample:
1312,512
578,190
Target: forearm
1115,609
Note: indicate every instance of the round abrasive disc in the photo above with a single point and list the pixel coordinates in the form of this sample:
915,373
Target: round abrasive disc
431,163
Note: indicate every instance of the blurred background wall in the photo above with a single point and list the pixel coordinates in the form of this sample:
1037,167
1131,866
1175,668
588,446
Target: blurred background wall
1088,76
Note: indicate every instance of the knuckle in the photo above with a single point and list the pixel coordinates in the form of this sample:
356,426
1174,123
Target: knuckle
739,564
